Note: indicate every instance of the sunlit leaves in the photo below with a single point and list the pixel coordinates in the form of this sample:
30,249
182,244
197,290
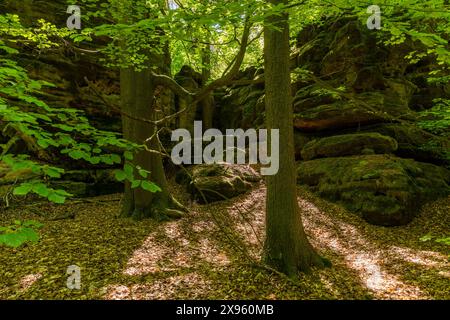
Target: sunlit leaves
59,130
150,186
41,189
20,233
44,36
137,176
436,119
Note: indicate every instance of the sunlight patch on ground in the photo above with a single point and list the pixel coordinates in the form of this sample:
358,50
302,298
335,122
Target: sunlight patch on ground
146,259
183,244
249,219
358,252
174,250
168,288
445,274
203,226
27,281
428,259
329,232
210,253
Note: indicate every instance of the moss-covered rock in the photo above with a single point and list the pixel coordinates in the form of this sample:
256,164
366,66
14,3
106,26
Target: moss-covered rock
348,144
241,107
312,96
413,142
385,190
216,182
334,116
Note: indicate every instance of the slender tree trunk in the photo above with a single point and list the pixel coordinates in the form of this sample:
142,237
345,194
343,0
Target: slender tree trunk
287,248
207,104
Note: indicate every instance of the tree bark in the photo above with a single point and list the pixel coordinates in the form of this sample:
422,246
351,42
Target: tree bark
137,98
287,248
137,95
207,104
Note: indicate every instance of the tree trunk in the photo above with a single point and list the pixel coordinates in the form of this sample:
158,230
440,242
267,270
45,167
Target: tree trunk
137,98
287,248
137,94
207,104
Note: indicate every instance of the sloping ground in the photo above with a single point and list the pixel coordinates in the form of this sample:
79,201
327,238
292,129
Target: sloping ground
211,254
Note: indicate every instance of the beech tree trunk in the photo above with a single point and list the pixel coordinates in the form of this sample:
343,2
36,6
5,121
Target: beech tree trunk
137,95
287,248
137,98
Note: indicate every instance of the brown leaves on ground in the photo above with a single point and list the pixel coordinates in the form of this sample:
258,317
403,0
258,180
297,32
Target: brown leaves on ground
211,254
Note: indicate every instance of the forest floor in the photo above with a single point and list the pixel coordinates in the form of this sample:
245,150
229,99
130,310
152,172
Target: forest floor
213,253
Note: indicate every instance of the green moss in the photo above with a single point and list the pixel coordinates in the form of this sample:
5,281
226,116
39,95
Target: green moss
348,144
385,190
413,142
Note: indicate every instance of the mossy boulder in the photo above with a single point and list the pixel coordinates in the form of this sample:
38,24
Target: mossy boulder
384,189
362,109
414,142
348,144
241,107
215,182
338,115
312,96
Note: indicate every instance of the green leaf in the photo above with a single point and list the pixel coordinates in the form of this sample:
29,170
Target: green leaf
444,241
135,184
56,198
128,155
64,127
76,154
12,239
53,172
107,159
128,168
32,223
150,186
116,158
425,238
23,189
16,236
43,143
143,173
120,175
63,193
29,234
94,160
41,189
